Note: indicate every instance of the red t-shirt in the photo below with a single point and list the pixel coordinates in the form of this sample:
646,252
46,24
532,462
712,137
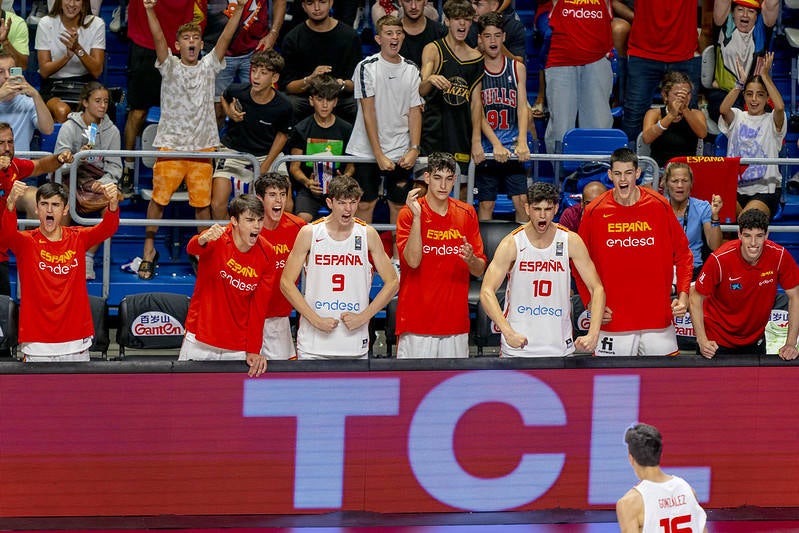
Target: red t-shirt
739,296
55,304
18,170
171,14
222,311
635,249
434,297
282,240
580,33
252,28
664,30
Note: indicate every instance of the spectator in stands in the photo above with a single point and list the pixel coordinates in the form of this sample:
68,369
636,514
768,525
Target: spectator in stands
14,38
744,29
636,254
144,80
51,270
451,75
322,132
322,45
699,218
280,229
21,105
543,38
756,132
256,33
419,29
236,268
13,169
89,128
70,46
663,37
339,253
440,247
579,75
571,216
540,241
504,96
673,129
733,296
398,8
187,121
515,34
623,15
389,122
260,121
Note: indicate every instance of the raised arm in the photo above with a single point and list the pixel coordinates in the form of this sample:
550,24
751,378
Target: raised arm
230,29
161,47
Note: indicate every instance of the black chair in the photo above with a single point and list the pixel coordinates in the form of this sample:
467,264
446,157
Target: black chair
152,321
102,338
9,325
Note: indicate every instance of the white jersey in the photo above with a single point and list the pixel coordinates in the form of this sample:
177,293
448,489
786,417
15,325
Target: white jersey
673,504
537,301
338,278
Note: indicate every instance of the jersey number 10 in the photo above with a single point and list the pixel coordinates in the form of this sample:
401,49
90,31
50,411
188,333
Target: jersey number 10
543,287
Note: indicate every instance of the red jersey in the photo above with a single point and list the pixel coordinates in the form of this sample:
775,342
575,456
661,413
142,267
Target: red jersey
19,169
635,249
664,30
171,14
253,27
55,303
580,33
222,311
282,240
739,296
434,297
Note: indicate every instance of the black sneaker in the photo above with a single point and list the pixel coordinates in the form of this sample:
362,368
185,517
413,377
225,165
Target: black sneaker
126,182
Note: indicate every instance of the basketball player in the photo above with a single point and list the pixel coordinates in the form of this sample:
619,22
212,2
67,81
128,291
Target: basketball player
660,502
535,257
636,244
280,229
338,277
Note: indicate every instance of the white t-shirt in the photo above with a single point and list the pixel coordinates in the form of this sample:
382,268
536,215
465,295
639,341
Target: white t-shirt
755,136
671,502
395,88
48,35
187,121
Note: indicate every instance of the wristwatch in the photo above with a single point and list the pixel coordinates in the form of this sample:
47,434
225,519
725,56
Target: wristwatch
416,147
81,52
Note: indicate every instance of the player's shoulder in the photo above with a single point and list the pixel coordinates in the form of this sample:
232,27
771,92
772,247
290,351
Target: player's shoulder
459,208
359,222
291,220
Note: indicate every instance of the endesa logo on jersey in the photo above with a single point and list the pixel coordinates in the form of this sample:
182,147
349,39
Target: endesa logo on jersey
452,234
337,305
156,324
636,226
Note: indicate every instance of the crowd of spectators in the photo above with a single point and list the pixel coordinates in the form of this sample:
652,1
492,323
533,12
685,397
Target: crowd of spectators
452,91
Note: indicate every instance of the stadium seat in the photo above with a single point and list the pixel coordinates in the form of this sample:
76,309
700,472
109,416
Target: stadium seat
585,141
9,324
102,339
152,321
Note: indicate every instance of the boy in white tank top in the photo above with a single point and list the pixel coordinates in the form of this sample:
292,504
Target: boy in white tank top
335,250
536,321
660,502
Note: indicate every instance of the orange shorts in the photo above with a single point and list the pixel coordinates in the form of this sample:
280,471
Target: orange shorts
169,173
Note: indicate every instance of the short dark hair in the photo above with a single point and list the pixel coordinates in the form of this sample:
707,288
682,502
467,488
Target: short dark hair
623,155
6,126
324,86
243,203
268,59
753,219
270,179
441,161
458,9
542,192
50,189
5,54
344,188
491,19
645,444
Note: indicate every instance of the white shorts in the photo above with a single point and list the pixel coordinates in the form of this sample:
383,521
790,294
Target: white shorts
238,171
411,346
194,350
62,358
305,356
277,344
643,342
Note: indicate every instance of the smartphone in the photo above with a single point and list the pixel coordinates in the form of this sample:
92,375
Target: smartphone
16,75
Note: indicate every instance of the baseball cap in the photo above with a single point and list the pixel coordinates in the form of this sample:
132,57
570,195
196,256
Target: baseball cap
753,4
